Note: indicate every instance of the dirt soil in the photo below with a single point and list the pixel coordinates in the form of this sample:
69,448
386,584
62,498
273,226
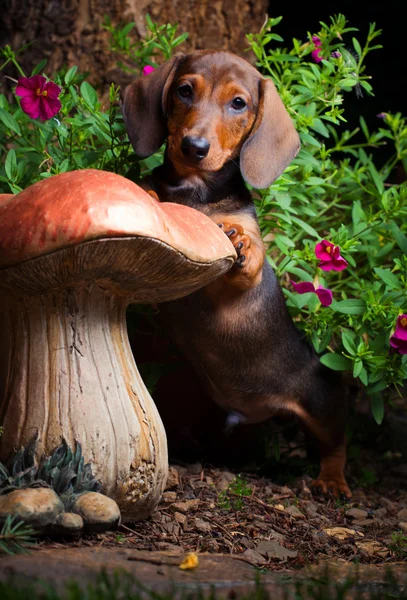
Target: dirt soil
275,527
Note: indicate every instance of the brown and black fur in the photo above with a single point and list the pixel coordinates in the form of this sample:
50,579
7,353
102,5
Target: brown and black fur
236,332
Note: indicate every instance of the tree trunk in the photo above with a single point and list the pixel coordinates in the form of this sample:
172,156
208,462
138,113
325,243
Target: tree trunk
68,32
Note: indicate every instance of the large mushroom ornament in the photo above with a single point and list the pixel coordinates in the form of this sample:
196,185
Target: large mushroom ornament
75,250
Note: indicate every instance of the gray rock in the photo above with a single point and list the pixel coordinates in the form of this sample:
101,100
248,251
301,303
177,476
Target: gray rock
273,549
202,526
98,512
294,512
356,513
68,524
254,557
402,514
172,479
38,507
403,526
224,481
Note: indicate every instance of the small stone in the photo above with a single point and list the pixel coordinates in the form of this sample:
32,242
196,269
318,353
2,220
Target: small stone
279,507
402,514
209,480
356,513
194,469
275,535
172,479
185,506
202,526
294,512
373,548
275,550
254,557
38,507
180,518
403,526
224,481
99,512
342,533
286,491
380,513
311,509
181,470
169,497
169,547
68,524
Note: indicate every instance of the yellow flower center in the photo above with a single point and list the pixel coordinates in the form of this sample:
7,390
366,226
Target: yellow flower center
39,93
403,321
328,249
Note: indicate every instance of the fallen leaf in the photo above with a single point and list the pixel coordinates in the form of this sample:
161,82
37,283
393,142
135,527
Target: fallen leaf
190,562
341,533
373,548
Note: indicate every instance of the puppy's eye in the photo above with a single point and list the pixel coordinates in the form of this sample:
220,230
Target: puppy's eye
238,104
185,91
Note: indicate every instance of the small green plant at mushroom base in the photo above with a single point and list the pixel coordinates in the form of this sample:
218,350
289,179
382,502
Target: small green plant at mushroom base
233,496
334,223
398,544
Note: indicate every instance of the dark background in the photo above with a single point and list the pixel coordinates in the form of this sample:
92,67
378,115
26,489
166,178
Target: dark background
386,65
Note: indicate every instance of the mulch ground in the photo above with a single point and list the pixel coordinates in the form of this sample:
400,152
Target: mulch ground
271,526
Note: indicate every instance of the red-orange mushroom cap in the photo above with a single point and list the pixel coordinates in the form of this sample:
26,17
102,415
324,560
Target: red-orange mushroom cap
72,213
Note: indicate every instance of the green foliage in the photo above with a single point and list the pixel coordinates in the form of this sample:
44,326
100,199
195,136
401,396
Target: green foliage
335,189
233,496
160,43
64,471
399,544
15,536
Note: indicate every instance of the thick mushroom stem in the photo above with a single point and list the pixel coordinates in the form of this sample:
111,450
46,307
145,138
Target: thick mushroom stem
67,370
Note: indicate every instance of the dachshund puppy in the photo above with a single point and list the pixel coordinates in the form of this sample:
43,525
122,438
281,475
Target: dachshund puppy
225,124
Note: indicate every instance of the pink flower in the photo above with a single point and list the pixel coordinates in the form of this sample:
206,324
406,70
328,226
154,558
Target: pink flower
329,257
399,338
317,52
324,295
336,54
39,97
147,70
382,115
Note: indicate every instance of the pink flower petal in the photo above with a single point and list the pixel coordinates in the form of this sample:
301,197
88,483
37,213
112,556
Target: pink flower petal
31,106
316,55
303,287
316,40
324,295
147,70
399,345
52,89
48,108
401,328
321,250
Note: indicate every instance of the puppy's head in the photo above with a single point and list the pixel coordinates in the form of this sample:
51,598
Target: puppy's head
212,107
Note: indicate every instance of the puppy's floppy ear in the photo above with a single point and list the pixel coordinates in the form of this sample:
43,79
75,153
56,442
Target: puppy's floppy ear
273,142
143,107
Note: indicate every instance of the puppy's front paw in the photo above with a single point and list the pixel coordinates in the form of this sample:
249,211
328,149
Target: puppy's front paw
240,241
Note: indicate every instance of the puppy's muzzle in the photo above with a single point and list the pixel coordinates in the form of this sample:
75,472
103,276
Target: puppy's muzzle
195,148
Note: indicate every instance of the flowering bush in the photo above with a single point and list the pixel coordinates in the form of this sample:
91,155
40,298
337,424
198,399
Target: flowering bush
335,221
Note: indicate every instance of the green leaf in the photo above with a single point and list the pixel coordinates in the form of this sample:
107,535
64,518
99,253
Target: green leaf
9,121
377,407
391,280
400,238
357,47
357,367
352,306
39,67
70,75
11,165
89,94
307,228
349,344
337,362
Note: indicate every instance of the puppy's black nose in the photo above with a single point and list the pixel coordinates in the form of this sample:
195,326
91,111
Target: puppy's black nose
195,147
